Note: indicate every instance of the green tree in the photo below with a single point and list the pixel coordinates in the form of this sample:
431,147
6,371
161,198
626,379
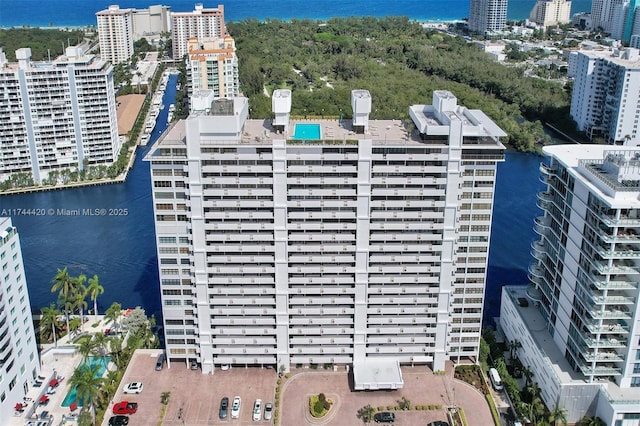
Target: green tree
86,348
94,290
49,323
558,415
87,383
366,413
81,296
65,286
112,314
135,320
591,421
404,403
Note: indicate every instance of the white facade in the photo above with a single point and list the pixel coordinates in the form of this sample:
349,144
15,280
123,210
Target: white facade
202,23
153,20
19,362
487,16
549,13
115,34
212,64
583,311
606,95
343,249
56,114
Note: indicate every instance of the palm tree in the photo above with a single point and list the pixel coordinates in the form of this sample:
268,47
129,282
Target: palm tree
81,297
514,345
115,348
86,348
528,374
94,290
558,415
533,389
87,383
592,421
366,413
49,318
113,313
64,285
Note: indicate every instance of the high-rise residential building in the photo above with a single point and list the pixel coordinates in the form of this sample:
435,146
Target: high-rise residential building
152,20
284,242
578,320
212,64
56,115
616,17
19,361
548,13
487,16
202,23
606,95
115,34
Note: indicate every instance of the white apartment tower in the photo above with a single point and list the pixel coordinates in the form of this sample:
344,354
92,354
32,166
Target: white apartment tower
212,64
202,23
323,245
56,115
579,320
19,361
548,13
152,20
606,95
115,34
487,16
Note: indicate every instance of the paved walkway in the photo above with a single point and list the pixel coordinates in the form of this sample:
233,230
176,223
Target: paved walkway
421,387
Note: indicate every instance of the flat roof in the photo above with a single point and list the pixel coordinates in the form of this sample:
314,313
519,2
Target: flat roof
377,373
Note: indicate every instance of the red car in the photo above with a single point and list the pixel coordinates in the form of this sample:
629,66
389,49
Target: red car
125,407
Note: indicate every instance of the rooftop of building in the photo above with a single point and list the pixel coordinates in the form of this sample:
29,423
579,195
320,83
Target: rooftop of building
75,55
628,57
611,172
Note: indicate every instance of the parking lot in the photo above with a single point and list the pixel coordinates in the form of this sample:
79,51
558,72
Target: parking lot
195,397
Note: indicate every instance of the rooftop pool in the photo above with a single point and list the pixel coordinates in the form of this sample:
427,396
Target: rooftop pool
92,362
309,132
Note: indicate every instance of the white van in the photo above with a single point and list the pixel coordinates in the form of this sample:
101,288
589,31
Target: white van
495,379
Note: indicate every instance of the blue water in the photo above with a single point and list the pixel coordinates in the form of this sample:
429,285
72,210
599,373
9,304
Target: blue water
68,13
309,132
101,362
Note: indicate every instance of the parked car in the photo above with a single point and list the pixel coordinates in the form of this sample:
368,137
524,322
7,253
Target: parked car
194,365
224,408
125,407
235,407
268,411
160,362
135,387
438,423
119,421
257,410
384,417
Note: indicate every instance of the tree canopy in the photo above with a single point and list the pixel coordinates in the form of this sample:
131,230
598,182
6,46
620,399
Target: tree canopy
399,62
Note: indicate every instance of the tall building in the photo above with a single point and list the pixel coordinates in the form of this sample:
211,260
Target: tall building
578,321
152,20
548,13
201,23
487,16
115,34
19,361
606,95
212,64
355,241
56,115
616,17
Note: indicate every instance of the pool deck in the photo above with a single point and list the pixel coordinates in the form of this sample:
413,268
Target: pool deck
62,361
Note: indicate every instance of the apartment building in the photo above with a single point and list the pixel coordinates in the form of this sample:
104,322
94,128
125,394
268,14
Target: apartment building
152,20
549,13
616,17
487,16
56,115
19,361
212,64
578,319
317,241
115,34
202,23
606,95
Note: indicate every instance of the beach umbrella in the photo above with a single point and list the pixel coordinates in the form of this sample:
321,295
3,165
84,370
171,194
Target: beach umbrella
53,383
44,399
18,407
73,406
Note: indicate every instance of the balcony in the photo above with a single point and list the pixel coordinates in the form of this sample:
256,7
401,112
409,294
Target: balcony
600,370
544,200
622,267
603,284
546,170
536,271
606,356
616,313
607,328
611,300
621,220
542,225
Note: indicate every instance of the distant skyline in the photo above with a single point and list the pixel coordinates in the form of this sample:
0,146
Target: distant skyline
78,13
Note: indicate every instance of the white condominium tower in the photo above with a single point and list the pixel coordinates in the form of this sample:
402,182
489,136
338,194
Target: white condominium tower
606,95
19,361
322,241
56,115
201,23
212,64
115,34
579,321
551,12
487,16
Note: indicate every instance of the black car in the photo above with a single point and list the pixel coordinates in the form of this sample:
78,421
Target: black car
119,421
438,423
384,417
224,408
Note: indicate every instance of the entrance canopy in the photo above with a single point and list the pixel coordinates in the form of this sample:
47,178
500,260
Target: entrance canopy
377,373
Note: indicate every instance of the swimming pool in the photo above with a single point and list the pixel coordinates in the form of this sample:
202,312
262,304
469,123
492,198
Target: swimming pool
101,362
309,132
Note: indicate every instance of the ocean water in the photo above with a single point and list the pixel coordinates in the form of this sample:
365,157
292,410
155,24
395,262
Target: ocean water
70,13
